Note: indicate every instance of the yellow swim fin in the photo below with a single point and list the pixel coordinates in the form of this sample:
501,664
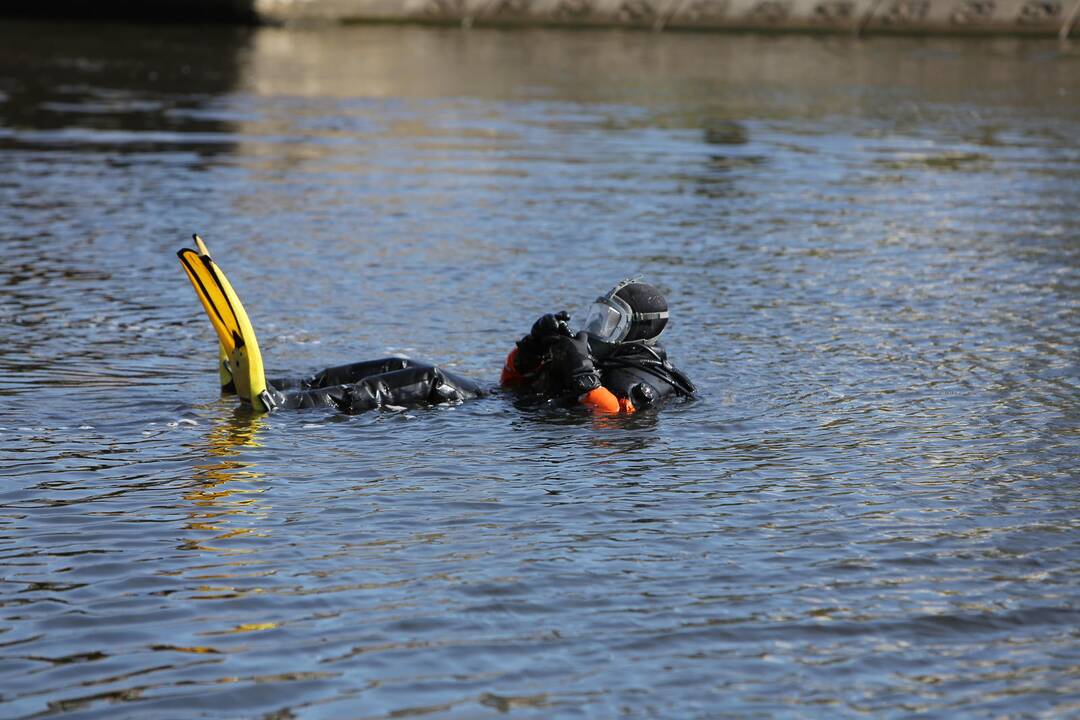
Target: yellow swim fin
228,387
231,323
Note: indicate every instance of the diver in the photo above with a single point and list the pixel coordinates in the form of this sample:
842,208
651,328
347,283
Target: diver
389,382
614,364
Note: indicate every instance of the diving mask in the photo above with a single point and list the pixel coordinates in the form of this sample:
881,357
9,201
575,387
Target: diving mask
610,317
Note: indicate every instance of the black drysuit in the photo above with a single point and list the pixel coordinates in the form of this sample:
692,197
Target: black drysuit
371,384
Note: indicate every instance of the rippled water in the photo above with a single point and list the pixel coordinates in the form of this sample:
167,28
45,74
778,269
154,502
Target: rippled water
871,249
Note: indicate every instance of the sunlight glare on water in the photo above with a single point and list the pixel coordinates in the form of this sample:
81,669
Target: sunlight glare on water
870,248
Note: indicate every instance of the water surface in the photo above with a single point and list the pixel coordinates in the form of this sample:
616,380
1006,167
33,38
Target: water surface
871,249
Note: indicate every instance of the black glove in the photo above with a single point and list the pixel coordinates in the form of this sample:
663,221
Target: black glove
551,325
572,364
535,346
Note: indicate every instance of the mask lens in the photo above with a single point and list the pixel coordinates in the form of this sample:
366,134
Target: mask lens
605,323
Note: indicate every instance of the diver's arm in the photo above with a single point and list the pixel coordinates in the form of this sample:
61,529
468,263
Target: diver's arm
598,399
574,365
641,395
601,400
529,356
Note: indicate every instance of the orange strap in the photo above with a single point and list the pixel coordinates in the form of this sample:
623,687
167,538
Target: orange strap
510,374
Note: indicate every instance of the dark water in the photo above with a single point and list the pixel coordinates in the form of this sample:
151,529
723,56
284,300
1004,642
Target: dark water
871,249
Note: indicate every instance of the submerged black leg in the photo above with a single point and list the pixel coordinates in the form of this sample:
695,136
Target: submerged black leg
355,372
343,374
402,383
410,387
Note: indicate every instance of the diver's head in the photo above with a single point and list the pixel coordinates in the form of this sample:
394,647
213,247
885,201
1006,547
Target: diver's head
632,312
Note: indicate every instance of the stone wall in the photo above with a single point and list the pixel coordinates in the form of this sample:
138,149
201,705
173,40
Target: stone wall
1013,17
1039,17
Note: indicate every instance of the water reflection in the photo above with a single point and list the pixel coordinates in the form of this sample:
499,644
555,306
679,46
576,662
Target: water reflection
725,132
227,491
739,77
103,89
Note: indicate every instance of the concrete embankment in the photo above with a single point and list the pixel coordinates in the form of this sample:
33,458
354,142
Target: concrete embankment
977,17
